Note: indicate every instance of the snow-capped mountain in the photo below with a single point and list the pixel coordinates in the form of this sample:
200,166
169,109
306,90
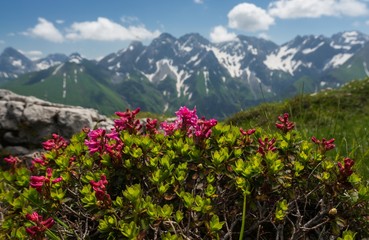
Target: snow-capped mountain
50,61
219,79
13,63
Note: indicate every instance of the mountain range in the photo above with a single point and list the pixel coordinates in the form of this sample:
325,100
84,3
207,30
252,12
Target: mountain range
218,78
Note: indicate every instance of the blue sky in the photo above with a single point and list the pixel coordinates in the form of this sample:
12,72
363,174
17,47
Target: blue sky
96,28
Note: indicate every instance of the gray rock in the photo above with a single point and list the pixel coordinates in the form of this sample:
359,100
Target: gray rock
27,121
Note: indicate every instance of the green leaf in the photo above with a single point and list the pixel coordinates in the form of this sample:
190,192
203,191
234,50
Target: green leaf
133,193
214,224
179,216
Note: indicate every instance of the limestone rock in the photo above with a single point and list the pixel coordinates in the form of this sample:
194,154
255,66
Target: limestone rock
28,121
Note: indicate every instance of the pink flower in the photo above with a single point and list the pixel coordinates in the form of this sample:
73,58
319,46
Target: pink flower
96,140
56,143
38,182
127,121
324,144
284,124
39,160
186,118
266,146
168,128
100,190
11,160
346,168
203,128
248,132
151,126
41,225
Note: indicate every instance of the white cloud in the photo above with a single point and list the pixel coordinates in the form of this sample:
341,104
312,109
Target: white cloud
33,54
199,1
221,34
250,18
264,36
59,21
316,8
367,22
46,30
106,30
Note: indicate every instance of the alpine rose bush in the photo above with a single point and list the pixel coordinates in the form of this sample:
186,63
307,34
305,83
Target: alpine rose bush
189,179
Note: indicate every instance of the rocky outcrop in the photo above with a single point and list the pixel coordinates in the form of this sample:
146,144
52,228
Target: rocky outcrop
25,122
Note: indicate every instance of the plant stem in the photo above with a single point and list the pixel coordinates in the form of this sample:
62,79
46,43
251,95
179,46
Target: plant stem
243,216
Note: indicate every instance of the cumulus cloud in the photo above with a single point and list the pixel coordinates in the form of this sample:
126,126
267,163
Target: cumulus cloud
33,54
286,9
250,18
59,21
264,36
106,30
199,1
221,34
45,30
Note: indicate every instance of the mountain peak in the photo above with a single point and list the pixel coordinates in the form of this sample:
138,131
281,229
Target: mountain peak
75,58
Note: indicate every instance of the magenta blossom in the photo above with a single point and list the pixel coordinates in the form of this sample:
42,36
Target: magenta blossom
127,121
38,182
324,144
284,124
12,160
151,126
56,142
41,225
96,140
247,132
168,128
346,168
100,190
203,128
186,118
266,146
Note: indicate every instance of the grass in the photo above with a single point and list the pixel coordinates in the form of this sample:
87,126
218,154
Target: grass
342,114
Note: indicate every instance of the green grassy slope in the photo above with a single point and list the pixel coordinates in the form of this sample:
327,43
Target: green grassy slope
342,114
71,85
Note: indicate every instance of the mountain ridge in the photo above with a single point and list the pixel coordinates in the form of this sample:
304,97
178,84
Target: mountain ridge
222,78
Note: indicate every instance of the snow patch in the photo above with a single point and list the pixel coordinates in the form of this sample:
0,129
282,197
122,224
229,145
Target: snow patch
339,46
17,63
283,60
310,50
57,69
351,38
193,59
207,79
366,69
338,60
231,62
253,50
164,68
166,106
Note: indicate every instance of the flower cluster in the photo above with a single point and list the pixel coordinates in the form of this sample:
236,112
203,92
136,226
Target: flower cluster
11,160
324,144
41,225
102,142
100,190
187,121
127,121
266,146
38,182
56,142
247,132
284,124
151,126
346,168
